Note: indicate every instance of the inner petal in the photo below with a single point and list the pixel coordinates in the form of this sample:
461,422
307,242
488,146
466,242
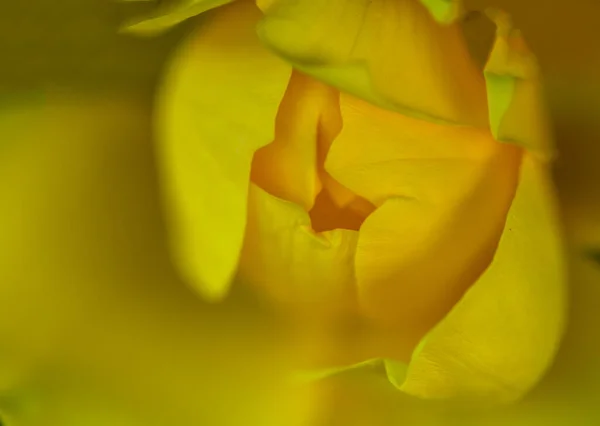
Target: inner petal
336,206
442,193
297,269
327,214
287,168
292,167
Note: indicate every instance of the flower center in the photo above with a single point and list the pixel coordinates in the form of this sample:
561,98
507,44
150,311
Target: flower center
292,167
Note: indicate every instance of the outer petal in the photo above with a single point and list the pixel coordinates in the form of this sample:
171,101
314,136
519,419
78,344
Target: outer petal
211,119
443,193
501,337
171,14
516,109
291,263
517,113
390,53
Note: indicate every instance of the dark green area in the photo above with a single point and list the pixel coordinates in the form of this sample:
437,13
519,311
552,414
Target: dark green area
594,254
74,43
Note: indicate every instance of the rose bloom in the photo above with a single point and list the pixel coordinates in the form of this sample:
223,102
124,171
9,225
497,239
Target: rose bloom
363,189
351,163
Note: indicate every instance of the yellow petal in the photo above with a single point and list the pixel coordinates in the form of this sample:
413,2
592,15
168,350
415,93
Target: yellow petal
516,108
501,337
442,194
211,118
290,263
390,53
169,15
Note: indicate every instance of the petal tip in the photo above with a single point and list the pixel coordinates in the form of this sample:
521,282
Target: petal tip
443,11
212,284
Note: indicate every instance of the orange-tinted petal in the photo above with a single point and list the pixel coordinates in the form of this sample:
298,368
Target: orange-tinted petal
288,168
211,118
501,337
443,193
390,53
327,214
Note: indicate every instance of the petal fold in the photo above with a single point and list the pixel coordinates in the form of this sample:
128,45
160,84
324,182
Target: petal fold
502,335
289,167
290,263
211,118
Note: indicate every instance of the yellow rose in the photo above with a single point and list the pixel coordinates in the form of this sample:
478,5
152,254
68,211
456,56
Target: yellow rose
350,162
